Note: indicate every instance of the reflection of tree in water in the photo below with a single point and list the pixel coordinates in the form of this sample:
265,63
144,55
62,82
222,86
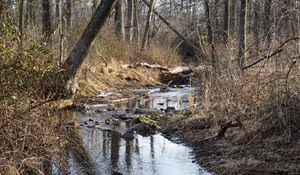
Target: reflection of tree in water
115,148
104,143
128,150
76,145
152,151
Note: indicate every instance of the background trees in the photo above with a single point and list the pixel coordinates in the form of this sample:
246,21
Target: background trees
203,22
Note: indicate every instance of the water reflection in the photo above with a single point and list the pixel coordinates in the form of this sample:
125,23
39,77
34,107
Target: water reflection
102,151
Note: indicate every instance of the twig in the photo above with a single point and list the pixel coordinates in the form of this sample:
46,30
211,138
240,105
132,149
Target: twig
102,57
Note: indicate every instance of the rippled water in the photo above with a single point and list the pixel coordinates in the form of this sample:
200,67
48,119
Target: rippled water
108,153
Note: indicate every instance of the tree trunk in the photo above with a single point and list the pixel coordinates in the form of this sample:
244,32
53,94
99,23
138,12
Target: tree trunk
129,26
136,27
267,22
79,52
119,19
69,13
148,23
210,34
215,19
256,24
232,19
242,33
225,21
46,20
30,13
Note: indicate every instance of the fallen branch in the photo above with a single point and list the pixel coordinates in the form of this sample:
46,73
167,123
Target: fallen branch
225,127
102,57
180,35
275,52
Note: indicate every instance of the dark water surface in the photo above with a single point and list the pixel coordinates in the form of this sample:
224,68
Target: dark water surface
108,153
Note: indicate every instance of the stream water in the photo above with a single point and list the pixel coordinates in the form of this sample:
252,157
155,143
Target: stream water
108,153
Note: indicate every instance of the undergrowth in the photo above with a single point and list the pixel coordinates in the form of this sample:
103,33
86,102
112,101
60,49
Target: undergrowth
265,97
26,73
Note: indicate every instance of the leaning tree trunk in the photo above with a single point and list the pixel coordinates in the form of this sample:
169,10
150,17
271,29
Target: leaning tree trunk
79,52
147,28
242,34
198,54
46,20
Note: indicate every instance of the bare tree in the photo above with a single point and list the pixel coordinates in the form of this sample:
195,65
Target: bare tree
225,21
256,24
242,33
79,52
136,27
30,13
210,36
46,20
69,13
232,19
119,19
147,28
267,21
129,26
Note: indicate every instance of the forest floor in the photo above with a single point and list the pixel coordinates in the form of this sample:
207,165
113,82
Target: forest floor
227,155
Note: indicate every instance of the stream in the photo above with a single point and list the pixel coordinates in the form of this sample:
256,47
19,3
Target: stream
110,154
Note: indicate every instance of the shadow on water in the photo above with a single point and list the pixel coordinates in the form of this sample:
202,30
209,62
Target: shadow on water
100,149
